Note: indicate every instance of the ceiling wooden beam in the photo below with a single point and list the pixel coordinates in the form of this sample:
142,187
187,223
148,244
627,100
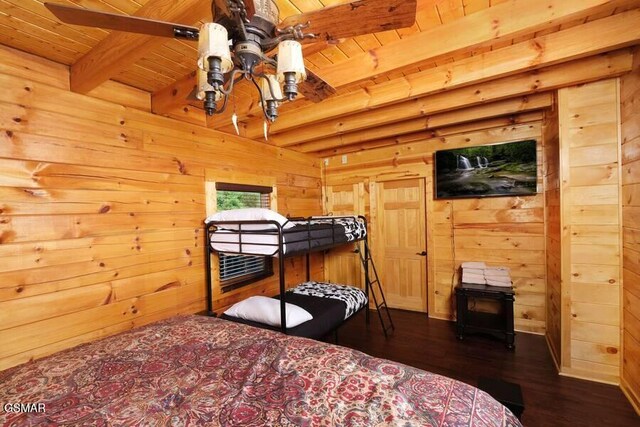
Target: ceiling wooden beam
577,42
421,149
434,133
501,22
480,112
119,50
571,73
174,96
504,21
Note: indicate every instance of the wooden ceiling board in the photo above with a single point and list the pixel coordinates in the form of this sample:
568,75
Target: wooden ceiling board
307,5
450,10
350,48
161,65
387,36
9,36
367,42
21,26
34,13
334,55
27,25
427,16
139,76
408,31
287,8
471,6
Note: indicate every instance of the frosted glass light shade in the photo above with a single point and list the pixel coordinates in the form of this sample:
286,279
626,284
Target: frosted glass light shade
290,60
204,86
214,41
275,86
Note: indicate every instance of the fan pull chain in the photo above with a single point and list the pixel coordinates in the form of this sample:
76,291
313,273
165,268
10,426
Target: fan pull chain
265,128
234,116
234,120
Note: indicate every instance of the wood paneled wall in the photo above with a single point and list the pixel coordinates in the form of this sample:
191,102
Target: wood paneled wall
630,118
553,232
101,208
507,231
591,237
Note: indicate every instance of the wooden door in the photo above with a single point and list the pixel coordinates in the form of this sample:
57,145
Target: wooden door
400,242
341,264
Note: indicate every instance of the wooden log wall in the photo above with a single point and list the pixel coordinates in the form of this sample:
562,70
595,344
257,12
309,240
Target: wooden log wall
591,237
503,231
630,118
553,231
101,208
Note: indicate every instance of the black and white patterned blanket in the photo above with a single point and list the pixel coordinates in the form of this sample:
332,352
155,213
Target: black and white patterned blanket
353,297
354,228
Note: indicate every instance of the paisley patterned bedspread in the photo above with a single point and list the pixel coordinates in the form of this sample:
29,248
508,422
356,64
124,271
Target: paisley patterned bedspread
195,370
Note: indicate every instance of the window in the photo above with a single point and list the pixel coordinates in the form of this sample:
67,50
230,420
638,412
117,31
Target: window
239,270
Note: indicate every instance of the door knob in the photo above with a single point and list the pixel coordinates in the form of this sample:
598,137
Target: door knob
423,253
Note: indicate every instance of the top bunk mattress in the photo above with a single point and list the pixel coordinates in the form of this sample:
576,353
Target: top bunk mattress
303,236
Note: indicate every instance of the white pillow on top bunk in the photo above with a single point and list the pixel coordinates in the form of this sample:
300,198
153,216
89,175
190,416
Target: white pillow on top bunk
267,310
250,214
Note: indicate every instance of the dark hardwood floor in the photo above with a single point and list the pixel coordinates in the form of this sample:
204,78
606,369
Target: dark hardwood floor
550,399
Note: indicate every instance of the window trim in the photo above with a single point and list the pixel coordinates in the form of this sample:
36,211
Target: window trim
228,186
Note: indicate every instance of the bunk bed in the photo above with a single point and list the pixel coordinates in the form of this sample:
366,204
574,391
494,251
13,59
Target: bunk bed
329,305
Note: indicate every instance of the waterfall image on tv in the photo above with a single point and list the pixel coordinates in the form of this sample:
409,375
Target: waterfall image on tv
505,169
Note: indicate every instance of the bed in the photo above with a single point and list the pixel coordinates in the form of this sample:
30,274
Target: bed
197,370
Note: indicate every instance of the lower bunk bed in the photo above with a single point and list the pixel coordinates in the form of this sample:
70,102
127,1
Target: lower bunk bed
314,309
199,370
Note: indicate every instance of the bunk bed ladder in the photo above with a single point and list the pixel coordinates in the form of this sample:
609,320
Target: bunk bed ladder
375,287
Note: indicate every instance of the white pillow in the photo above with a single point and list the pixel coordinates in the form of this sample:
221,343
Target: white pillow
267,310
250,214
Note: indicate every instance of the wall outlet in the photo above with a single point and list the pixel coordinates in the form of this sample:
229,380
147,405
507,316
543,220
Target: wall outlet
344,159
326,162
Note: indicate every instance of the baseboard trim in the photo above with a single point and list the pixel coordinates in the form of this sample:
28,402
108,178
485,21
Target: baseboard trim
556,362
631,395
590,376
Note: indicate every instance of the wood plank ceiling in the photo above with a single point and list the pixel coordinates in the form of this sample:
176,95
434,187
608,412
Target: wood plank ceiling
388,84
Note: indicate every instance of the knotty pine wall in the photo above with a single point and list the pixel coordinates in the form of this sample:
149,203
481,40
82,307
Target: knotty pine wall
630,118
502,231
551,162
101,208
591,230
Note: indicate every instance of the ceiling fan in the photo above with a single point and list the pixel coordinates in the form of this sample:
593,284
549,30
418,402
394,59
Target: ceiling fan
241,43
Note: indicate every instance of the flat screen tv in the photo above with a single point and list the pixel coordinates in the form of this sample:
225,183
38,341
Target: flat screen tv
504,169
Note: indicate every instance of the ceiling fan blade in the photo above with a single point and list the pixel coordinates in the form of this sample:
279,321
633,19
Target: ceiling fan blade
355,18
114,21
314,88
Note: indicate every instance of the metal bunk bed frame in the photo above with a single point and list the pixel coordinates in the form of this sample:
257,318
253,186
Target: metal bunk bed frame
279,230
